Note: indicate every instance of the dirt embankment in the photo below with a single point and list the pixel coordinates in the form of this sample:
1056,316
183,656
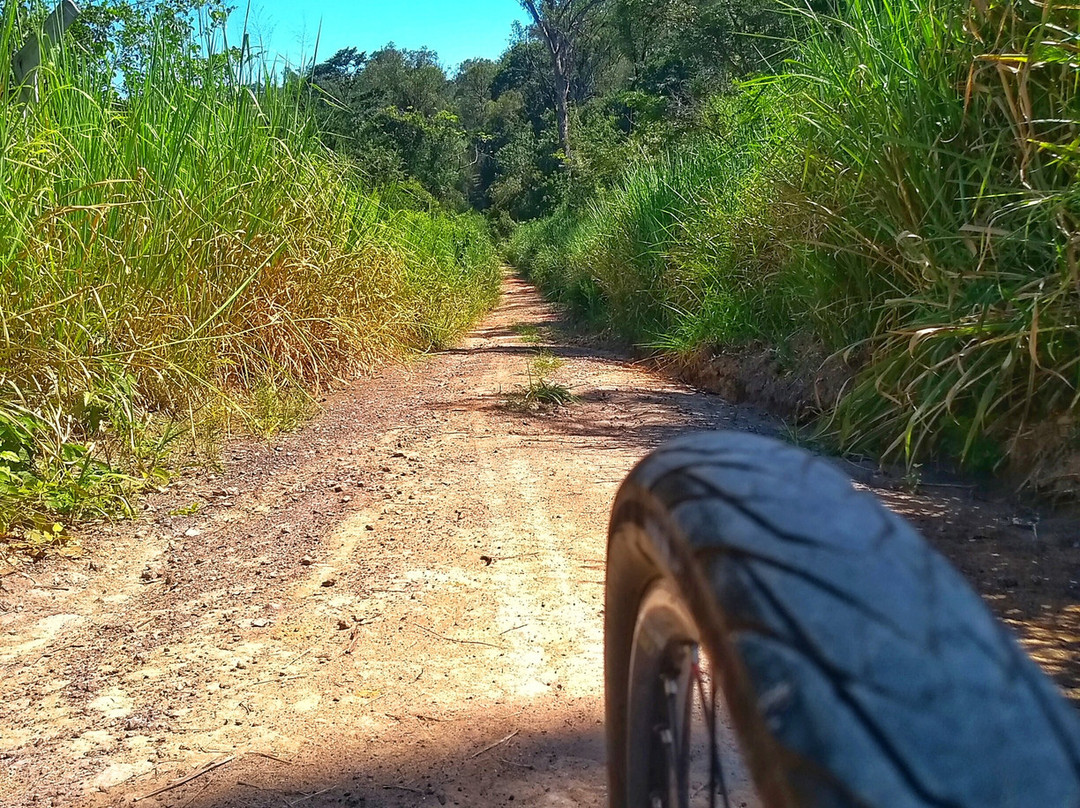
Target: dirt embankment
402,603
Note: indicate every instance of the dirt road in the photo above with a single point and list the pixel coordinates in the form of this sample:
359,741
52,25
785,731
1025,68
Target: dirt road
401,604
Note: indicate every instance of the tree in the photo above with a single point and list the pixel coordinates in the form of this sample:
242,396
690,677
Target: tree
472,92
639,27
121,36
392,112
344,64
560,24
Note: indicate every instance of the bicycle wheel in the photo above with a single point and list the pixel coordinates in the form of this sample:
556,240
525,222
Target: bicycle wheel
853,664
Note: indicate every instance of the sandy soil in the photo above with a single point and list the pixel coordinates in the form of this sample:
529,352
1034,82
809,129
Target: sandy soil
401,604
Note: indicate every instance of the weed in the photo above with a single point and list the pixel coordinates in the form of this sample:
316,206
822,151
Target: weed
912,478
38,542
799,435
544,364
540,393
44,475
274,409
187,510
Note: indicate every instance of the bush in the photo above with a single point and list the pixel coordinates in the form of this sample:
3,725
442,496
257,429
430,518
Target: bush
943,160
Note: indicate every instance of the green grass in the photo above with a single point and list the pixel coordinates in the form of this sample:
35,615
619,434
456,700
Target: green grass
529,333
187,253
541,392
680,254
945,161
905,192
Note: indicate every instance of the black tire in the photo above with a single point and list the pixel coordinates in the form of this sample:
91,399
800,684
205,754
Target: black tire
858,667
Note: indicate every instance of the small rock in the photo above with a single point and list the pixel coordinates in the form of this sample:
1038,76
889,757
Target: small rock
369,527
346,499
260,622
192,532
307,561
118,773
342,625
329,582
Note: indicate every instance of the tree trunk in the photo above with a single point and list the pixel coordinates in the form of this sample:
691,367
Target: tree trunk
559,25
562,105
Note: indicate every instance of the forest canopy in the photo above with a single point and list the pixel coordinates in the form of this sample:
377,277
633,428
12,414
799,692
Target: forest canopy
488,134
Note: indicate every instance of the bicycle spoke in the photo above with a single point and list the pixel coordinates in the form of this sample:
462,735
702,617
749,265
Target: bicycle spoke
678,700
674,734
717,782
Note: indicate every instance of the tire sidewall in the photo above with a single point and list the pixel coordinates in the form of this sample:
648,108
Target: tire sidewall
646,546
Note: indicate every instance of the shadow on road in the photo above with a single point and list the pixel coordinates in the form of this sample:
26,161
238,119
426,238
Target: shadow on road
443,766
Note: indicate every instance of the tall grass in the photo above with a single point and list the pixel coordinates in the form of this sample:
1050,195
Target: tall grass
167,252
679,255
945,162
905,193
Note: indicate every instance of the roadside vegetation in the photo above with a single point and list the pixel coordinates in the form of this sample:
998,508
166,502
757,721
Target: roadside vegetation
898,196
880,198
181,256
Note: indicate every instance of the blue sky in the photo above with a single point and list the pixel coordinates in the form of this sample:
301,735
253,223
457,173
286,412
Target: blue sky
456,29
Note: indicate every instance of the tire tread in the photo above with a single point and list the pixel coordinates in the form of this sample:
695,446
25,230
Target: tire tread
859,608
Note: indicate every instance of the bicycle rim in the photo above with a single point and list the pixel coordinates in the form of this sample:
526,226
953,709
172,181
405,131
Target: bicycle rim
681,749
